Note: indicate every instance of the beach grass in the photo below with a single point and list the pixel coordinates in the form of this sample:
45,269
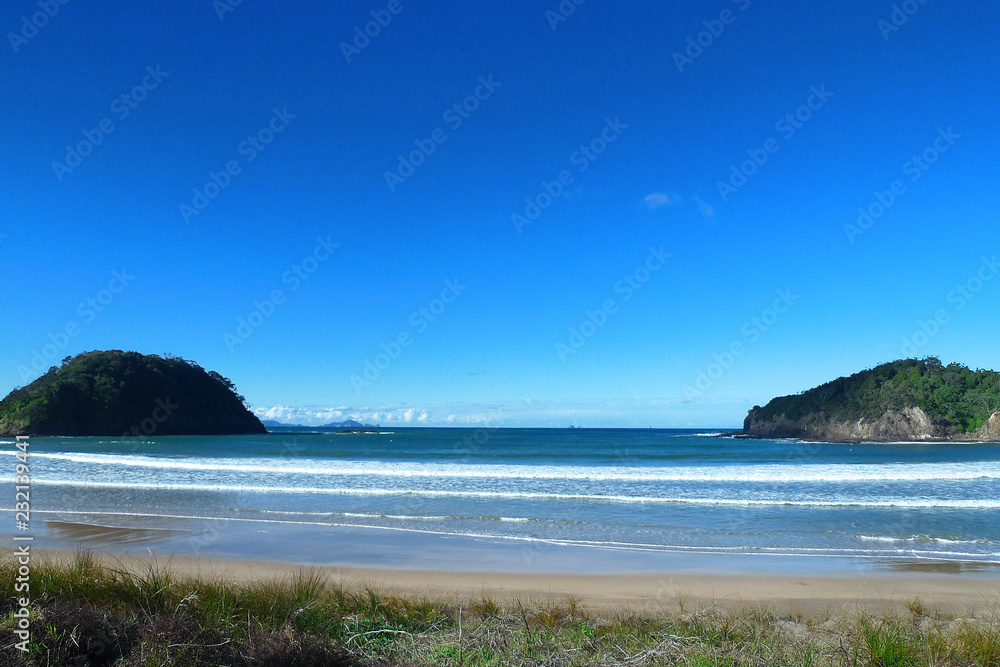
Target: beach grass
86,611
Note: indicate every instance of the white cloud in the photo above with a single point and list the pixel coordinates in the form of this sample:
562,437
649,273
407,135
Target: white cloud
655,200
706,209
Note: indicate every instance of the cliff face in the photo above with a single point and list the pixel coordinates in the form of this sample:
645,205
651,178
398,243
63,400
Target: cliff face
990,432
907,424
119,393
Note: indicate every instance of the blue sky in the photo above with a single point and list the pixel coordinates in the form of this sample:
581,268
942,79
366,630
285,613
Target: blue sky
525,213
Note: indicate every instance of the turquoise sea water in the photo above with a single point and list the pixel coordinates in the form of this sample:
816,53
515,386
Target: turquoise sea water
619,494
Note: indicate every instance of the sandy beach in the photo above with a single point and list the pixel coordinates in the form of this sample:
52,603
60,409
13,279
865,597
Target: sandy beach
435,567
652,592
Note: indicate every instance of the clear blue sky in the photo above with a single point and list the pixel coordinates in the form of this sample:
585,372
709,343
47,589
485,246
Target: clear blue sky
615,124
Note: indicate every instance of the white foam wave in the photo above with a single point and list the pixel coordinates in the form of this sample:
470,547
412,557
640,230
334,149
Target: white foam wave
508,495
918,539
399,517
877,538
757,473
348,432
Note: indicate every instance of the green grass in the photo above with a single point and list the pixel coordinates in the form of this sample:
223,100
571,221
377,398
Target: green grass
90,613
886,643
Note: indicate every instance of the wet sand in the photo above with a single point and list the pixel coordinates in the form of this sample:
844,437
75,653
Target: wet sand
391,549
85,532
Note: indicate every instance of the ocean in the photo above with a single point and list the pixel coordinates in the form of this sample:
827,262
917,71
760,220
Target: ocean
618,499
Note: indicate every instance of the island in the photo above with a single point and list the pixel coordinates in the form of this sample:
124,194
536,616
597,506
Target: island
904,400
352,425
116,393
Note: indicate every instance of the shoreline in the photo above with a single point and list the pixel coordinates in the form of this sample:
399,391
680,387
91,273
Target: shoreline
397,548
806,437
651,593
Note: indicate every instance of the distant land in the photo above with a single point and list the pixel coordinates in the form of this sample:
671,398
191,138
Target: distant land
909,399
116,393
350,423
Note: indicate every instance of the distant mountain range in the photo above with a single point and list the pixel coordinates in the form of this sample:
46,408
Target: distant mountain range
350,423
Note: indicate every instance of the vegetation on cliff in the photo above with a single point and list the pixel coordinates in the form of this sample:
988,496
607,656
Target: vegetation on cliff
956,398
118,393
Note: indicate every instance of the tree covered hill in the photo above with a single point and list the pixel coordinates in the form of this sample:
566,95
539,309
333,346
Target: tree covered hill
956,399
117,393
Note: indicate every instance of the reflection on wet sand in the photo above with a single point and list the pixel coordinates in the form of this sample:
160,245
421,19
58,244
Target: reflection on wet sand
85,532
943,567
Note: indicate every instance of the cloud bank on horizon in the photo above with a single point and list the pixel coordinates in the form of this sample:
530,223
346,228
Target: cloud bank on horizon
623,413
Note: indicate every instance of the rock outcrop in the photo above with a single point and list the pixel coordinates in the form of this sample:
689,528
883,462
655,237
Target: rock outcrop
990,431
907,424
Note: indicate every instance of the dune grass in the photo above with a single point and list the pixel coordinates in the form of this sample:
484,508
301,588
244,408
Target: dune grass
86,612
